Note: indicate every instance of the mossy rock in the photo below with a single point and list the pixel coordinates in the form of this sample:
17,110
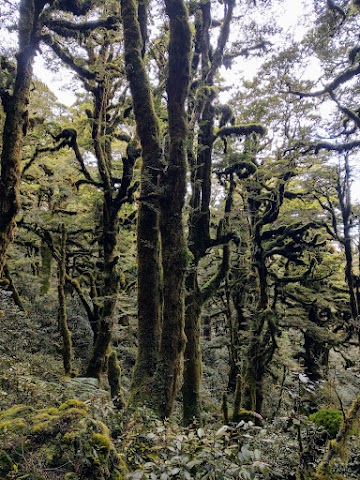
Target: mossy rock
65,440
329,419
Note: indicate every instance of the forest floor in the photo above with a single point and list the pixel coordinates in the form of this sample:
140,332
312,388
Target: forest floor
55,427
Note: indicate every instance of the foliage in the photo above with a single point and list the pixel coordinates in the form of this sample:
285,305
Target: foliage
166,450
272,322
329,419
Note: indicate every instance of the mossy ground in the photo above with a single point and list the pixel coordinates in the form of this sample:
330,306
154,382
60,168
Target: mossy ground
65,442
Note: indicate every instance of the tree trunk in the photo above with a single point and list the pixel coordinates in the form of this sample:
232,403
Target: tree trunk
193,363
316,358
16,110
64,329
173,244
98,363
46,261
148,240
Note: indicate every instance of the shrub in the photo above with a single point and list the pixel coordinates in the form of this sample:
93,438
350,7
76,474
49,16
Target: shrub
329,419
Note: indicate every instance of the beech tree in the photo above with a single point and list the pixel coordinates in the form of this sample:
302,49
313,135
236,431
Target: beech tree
167,187
16,78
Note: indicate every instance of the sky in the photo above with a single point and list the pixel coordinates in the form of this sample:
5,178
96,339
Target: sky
62,82
291,15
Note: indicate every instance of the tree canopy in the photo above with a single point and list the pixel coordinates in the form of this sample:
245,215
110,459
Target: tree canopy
179,248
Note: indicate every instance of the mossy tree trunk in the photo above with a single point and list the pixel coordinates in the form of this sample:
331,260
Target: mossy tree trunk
109,287
102,81
260,326
160,217
148,235
16,110
191,389
343,187
46,261
199,220
316,357
67,350
9,283
173,190
114,376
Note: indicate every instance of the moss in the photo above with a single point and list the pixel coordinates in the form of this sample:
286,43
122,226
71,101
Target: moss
49,453
114,377
57,439
15,418
44,416
45,428
101,442
50,410
73,403
69,438
12,425
329,419
15,411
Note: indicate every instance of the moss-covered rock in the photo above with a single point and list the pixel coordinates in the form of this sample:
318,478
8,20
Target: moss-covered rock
65,440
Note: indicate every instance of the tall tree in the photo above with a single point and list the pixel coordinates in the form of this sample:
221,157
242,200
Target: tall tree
163,178
148,239
105,87
15,105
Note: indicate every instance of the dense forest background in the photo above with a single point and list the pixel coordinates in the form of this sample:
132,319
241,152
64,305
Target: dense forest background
179,248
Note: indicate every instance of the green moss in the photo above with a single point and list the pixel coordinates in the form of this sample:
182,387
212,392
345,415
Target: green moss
329,419
13,425
49,453
44,417
51,410
114,377
71,476
73,403
104,429
101,442
69,437
44,428
56,439
15,411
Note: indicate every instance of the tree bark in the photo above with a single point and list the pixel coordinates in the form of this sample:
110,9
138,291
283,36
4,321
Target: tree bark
16,110
173,244
67,351
148,235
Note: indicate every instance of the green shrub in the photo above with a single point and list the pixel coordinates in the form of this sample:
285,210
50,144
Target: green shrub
329,419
